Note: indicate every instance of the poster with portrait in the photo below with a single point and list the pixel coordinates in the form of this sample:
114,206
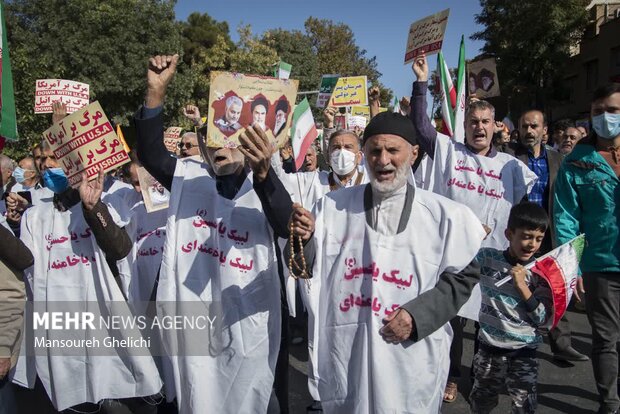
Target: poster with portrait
85,142
237,101
155,196
482,78
426,35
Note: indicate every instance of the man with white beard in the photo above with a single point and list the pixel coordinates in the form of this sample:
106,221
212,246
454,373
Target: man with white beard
381,257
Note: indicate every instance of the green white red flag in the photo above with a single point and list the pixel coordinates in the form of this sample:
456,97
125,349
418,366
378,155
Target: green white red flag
8,118
303,132
560,268
448,96
461,97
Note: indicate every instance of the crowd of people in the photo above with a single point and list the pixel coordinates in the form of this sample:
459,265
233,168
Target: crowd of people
386,240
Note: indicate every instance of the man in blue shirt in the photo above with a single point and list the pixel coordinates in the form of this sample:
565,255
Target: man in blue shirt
545,163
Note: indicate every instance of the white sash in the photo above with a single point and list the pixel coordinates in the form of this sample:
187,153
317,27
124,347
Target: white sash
360,277
70,266
222,250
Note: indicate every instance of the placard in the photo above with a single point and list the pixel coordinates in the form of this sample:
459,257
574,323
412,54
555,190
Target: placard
85,141
172,137
350,91
328,83
237,101
482,78
426,35
74,95
155,195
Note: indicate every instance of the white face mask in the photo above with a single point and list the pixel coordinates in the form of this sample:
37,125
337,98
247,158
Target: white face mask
342,161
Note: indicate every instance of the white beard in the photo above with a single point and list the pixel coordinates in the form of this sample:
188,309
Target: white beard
385,188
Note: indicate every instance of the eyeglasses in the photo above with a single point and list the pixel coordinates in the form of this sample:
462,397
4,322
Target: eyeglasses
187,145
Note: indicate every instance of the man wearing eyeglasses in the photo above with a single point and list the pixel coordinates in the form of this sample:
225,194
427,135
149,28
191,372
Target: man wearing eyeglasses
189,145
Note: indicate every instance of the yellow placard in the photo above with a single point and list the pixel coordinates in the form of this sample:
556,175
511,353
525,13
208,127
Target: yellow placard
361,111
350,91
85,141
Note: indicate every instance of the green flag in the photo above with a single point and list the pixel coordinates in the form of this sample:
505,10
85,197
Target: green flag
8,119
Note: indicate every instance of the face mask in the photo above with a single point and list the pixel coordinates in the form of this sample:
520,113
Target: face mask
342,161
606,125
56,180
19,174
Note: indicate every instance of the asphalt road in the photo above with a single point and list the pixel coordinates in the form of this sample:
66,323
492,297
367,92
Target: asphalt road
562,387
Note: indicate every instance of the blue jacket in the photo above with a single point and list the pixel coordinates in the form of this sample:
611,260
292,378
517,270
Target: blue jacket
587,200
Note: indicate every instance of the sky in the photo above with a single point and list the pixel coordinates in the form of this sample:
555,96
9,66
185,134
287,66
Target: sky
380,27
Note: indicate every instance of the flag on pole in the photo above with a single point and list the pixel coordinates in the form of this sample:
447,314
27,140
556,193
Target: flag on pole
396,105
8,118
461,98
121,138
283,70
448,96
303,132
560,268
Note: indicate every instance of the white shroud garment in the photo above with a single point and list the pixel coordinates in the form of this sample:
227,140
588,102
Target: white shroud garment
138,271
490,186
360,276
69,266
221,250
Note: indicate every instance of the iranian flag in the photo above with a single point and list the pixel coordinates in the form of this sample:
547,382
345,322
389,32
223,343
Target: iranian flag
461,98
448,96
8,119
303,132
396,105
560,269
283,70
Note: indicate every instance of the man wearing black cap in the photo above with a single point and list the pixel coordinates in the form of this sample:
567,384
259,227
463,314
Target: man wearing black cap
381,257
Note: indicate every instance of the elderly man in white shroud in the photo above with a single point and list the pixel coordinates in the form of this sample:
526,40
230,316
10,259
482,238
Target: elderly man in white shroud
390,265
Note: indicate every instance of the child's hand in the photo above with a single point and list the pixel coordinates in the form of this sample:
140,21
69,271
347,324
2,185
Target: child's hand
518,274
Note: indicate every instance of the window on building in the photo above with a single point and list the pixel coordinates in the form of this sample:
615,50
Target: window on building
591,74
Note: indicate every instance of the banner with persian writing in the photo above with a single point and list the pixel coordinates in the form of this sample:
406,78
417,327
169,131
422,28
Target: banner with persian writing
75,95
426,35
85,141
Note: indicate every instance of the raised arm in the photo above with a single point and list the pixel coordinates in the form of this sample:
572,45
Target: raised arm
427,135
149,121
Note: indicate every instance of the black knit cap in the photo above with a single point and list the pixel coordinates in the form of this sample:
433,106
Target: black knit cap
391,123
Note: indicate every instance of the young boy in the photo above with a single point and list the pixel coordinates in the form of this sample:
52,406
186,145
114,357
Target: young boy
511,315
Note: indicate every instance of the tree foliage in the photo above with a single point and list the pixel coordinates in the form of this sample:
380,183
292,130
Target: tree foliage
105,44
531,41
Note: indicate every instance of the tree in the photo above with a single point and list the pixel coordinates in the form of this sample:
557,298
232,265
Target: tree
531,40
251,55
200,34
295,47
336,51
105,44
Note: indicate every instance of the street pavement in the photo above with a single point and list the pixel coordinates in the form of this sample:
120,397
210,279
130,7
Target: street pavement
562,387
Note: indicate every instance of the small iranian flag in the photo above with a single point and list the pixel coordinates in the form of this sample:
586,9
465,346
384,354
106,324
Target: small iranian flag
8,118
560,268
448,96
303,132
283,70
396,105
459,111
